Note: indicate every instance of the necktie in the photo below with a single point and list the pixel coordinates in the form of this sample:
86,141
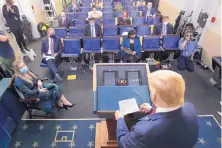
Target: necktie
52,46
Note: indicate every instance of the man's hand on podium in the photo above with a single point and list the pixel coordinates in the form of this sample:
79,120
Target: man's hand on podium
118,115
145,108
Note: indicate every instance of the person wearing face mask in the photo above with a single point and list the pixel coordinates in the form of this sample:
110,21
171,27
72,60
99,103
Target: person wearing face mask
149,11
164,28
12,16
34,89
92,29
173,123
64,21
140,5
131,48
124,20
95,13
52,49
188,48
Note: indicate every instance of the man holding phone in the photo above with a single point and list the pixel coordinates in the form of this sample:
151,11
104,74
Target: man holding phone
188,47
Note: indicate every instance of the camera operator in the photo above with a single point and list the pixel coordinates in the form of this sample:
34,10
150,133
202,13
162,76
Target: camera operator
12,16
188,47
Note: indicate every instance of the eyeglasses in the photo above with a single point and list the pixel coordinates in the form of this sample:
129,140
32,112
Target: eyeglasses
188,35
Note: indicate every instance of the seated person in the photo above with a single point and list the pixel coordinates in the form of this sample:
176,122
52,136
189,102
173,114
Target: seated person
124,20
98,5
33,89
188,48
164,28
52,47
173,124
92,29
140,5
149,11
75,6
118,7
64,21
95,13
131,48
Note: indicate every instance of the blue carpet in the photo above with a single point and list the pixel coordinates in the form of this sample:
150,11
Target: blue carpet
43,133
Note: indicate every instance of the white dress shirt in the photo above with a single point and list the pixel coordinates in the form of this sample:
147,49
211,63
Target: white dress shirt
93,30
164,110
49,50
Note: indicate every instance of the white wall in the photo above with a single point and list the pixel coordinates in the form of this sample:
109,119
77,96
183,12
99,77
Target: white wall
179,4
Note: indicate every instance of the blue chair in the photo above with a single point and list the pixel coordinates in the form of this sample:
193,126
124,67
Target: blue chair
111,44
107,9
82,15
110,30
107,1
149,20
79,22
86,5
151,43
170,42
134,13
156,20
108,21
107,14
138,21
70,15
84,9
143,30
131,8
60,32
76,32
107,4
125,29
72,47
118,14
98,21
91,45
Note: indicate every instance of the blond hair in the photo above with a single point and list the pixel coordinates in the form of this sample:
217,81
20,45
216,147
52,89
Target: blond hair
18,73
169,86
50,29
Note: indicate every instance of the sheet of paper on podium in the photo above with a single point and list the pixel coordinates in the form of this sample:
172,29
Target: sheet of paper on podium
128,106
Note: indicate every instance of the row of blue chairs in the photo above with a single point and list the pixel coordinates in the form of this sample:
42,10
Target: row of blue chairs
72,46
107,31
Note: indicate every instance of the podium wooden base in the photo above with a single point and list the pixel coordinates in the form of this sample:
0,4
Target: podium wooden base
102,136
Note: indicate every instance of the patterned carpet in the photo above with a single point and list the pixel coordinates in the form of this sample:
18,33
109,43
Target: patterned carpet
81,134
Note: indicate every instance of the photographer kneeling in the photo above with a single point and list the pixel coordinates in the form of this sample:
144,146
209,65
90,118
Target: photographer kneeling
188,47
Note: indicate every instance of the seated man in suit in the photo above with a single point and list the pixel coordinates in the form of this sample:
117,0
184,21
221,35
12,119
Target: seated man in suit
149,11
51,50
95,13
164,28
92,29
64,21
173,124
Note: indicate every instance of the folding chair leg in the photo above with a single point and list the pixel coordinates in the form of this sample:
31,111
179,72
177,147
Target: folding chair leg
73,64
171,56
30,113
92,61
111,58
151,56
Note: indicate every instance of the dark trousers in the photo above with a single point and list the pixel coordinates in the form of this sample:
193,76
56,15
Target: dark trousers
128,58
18,33
185,63
53,65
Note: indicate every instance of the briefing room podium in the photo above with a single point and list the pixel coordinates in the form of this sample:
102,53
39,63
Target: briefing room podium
113,82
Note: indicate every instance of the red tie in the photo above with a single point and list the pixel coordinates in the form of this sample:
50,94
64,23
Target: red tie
153,111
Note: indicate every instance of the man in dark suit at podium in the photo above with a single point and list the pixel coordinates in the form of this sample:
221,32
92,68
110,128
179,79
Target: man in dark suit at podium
172,124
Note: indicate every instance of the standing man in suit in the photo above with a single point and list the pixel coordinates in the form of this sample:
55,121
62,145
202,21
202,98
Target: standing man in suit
92,29
12,16
51,50
172,124
64,21
149,11
164,28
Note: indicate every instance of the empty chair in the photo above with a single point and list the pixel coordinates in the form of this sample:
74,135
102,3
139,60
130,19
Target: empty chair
149,20
70,15
111,44
76,32
72,47
84,9
131,8
86,5
107,1
123,29
138,21
98,21
107,9
156,20
134,13
107,4
91,45
110,30
118,14
151,43
60,32
170,42
79,22
108,21
143,30
108,14
82,15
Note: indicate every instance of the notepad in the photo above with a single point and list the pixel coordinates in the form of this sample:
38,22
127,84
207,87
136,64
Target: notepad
71,77
128,106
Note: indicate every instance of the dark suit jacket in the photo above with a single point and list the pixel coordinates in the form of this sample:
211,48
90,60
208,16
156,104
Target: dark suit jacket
13,19
175,129
87,30
158,29
153,11
58,48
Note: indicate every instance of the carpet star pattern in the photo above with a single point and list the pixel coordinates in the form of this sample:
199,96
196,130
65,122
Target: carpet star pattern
25,127
201,140
91,126
208,123
35,144
90,144
74,127
17,144
41,127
